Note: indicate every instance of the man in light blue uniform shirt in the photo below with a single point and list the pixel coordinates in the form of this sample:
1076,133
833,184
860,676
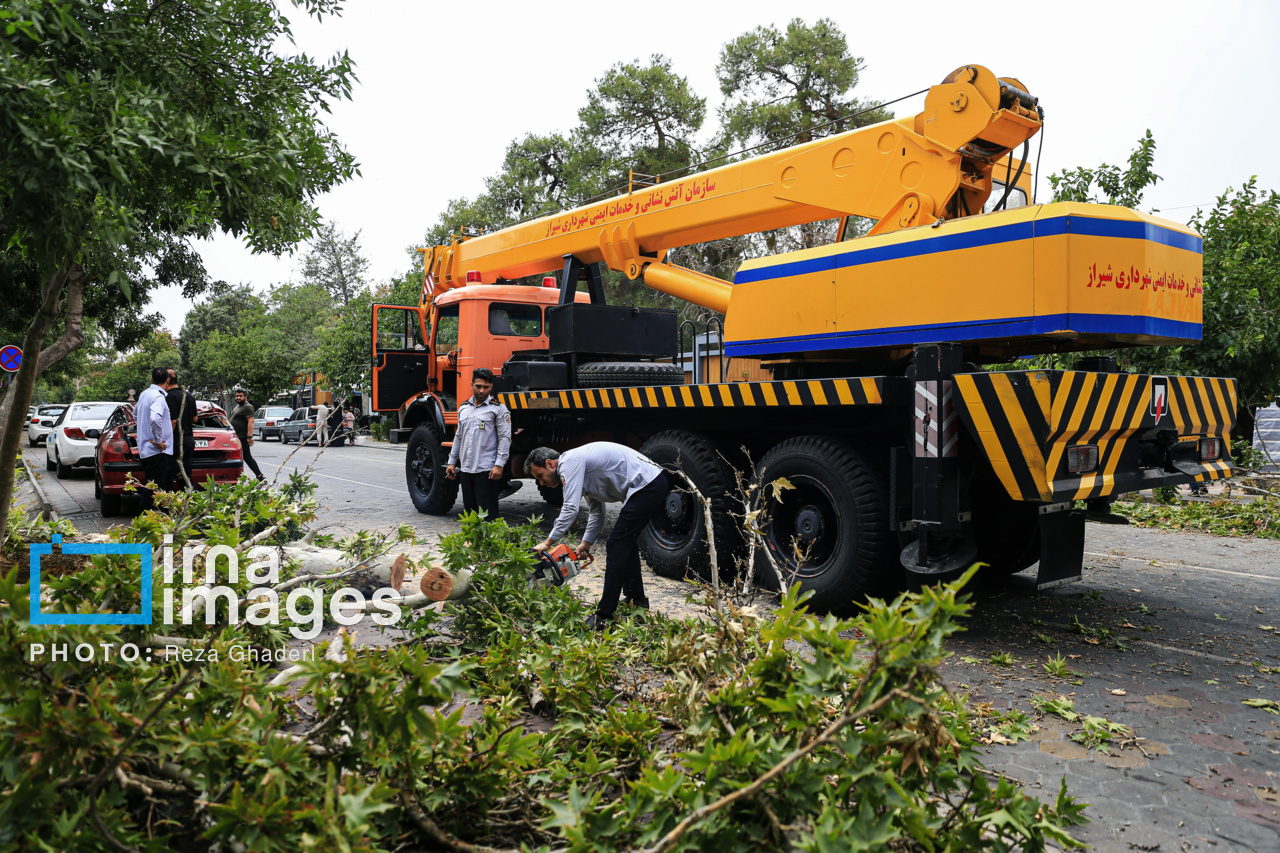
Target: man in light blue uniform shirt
155,434
481,446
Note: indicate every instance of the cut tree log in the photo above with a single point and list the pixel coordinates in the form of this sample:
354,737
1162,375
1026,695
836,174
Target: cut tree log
379,572
439,584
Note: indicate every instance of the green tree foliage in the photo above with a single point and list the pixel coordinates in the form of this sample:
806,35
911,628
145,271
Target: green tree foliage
792,86
113,381
219,313
253,357
1241,296
133,127
1110,184
334,262
644,118
346,345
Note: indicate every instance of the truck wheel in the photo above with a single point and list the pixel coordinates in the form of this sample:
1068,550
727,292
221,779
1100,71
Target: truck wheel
431,491
553,497
676,542
601,374
1007,531
837,514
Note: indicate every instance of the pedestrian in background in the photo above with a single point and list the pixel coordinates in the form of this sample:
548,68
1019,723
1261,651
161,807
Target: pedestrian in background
349,421
242,423
154,436
481,446
322,424
182,412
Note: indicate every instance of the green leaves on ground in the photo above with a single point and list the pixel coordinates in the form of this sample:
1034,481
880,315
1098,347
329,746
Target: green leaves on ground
1269,705
1258,517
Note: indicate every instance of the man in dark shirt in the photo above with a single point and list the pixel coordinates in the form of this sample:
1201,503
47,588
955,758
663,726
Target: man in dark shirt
182,411
242,423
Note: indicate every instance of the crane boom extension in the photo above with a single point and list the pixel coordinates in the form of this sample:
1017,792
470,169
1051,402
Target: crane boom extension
913,171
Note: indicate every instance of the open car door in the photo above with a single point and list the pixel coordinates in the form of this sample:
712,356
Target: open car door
402,360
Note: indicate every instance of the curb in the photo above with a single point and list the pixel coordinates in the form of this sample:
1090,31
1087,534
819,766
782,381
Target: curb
381,445
47,511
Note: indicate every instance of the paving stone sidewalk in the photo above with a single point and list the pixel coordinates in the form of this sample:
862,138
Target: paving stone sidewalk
1182,645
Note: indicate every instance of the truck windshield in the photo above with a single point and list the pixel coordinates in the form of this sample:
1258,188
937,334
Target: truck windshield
447,328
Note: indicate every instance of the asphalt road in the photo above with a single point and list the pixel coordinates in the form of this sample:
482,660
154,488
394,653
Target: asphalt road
1167,634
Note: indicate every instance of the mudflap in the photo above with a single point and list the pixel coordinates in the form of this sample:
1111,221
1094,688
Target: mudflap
1061,547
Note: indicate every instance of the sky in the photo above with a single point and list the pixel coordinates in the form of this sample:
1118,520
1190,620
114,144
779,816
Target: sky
444,88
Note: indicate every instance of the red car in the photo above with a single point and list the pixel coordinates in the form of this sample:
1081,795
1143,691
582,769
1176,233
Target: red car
217,453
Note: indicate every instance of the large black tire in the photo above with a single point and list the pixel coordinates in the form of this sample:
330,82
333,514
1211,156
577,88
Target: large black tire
553,497
676,543
284,439
1007,532
611,374
425,459
838,509
48,461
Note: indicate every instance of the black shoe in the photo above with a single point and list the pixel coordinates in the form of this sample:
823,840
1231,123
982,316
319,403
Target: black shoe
512,487
596,622
642,603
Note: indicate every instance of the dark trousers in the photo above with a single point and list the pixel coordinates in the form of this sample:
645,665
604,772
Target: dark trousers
156,469
480,493
622,555
188,453
248,456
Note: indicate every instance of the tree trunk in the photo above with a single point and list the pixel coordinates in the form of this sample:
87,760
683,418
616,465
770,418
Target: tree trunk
19,396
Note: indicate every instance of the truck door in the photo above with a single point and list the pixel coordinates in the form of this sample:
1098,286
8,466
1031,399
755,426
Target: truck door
401,359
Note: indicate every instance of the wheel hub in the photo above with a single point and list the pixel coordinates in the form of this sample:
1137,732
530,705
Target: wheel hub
809,523
676,506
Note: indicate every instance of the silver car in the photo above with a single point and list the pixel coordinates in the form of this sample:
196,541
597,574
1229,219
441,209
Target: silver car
268,420
40,424
74,439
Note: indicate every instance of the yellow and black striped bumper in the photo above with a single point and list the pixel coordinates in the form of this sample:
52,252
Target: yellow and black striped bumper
1026,420
867,391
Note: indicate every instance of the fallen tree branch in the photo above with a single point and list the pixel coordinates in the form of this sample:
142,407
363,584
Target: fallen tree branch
701,814
438,835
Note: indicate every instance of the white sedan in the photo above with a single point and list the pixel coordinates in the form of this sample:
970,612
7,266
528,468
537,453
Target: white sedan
40,423
73,442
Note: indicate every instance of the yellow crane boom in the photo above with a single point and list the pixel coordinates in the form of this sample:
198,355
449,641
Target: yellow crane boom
907,172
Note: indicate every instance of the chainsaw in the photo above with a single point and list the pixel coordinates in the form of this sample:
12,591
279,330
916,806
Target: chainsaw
557,566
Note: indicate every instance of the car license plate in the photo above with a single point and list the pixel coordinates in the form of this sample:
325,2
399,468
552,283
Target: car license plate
202,442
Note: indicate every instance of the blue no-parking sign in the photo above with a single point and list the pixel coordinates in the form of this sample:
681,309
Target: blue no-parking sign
11,358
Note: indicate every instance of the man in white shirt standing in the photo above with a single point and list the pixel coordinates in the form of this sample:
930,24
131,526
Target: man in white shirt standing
322,424
606,473
155,435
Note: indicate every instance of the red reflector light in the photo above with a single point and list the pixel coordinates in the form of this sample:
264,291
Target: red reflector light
549,281
35,420
1210,448
1082,458
73,432
473,276
311,426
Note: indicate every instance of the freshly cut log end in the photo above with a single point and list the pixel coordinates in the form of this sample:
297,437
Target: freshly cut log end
398,571
439,584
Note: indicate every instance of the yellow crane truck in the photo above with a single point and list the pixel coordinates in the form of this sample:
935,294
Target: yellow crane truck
905,455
